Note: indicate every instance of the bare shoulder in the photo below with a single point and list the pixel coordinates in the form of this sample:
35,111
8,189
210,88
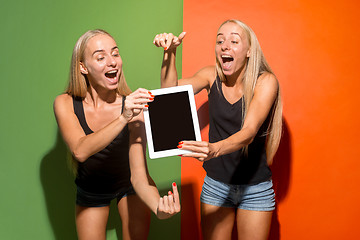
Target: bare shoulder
267,83
62,98
201,79
268,79
267,87
62,102
207,72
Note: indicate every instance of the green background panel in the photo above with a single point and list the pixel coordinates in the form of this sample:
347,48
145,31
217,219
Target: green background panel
37,37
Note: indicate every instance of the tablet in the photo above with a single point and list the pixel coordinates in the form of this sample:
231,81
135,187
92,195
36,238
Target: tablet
169,119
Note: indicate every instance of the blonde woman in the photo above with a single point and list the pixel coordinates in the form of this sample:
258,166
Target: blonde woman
102,124
245,128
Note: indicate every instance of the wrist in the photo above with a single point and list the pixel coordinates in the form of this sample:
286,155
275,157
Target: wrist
168,53
123,119
217,147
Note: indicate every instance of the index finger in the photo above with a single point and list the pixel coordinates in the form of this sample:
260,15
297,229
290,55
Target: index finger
181,36
195,143
141,90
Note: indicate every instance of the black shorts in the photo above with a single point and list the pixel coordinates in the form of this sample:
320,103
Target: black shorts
87,199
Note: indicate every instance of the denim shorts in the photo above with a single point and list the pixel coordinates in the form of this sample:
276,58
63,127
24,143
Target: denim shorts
87,199
257,197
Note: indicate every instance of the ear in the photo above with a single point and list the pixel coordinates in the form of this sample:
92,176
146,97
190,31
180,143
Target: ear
248,53
83,69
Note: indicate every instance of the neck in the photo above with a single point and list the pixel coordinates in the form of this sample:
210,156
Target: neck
98,97
236,78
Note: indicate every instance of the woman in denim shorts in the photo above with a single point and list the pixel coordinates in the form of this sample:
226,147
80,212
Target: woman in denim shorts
245,119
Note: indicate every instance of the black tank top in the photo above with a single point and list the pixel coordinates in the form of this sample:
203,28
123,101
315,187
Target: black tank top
107,171
237,167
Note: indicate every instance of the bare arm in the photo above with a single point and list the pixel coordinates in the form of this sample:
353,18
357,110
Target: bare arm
82,146
143,184
169,77
264,97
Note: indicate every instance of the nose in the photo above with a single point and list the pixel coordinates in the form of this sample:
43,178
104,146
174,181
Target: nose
112,62
225,46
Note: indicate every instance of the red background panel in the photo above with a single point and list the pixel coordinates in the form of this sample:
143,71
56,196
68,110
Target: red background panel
313,48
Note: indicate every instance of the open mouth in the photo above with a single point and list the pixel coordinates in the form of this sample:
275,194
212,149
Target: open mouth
227,61
111,74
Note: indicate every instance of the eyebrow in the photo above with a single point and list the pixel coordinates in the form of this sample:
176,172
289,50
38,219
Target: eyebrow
233,33
102,50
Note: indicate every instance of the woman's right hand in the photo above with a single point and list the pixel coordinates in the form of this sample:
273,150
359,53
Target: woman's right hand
168,41
201,150
136,102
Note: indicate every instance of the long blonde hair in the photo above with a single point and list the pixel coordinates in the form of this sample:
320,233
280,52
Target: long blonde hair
255,66
78,84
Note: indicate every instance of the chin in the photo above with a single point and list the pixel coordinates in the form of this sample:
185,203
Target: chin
228,72
113,87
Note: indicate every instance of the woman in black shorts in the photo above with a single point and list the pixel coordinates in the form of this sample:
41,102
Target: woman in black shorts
102,124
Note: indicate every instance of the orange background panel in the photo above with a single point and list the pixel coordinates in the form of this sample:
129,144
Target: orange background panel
313,48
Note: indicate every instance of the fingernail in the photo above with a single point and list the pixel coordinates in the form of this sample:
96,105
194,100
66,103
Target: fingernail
181,142
149,92
151,99
165,48
174,184
152,96
179,146
169,193
146,105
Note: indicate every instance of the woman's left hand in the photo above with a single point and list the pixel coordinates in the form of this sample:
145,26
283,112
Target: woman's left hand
200,150
169,205
136,102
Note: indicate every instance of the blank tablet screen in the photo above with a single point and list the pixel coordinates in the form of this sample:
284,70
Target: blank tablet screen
171,120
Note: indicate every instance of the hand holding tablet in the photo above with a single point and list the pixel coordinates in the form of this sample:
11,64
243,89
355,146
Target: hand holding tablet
169,119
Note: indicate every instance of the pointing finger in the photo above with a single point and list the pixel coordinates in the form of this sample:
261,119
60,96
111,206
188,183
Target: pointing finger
181,36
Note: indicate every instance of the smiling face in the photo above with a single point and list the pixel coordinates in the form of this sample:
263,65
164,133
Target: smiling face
102,62
232,48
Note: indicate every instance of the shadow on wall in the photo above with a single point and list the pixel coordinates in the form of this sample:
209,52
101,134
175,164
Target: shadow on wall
281,169
203,115
190,230
60,192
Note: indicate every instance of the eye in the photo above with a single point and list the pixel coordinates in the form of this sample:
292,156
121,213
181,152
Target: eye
100,57
234,42
219,42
